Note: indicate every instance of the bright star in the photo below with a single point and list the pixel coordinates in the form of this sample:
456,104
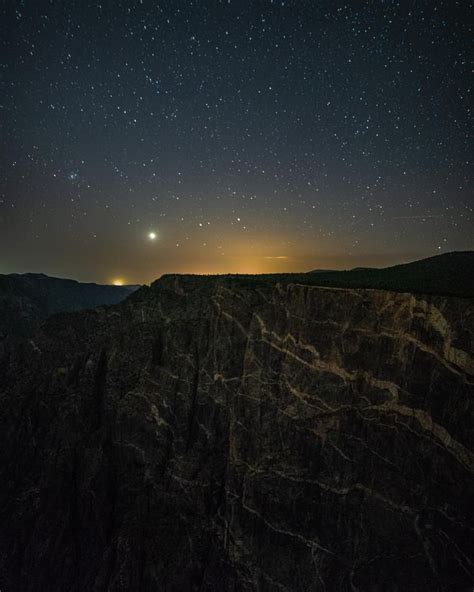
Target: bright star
152,235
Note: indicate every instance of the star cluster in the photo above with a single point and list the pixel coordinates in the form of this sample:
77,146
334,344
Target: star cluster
143,137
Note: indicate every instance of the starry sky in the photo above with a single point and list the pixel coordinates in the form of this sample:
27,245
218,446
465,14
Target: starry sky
244,136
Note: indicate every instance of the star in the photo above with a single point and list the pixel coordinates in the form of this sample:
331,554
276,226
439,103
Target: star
302,141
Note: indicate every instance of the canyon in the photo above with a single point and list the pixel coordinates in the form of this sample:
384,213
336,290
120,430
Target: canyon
231,434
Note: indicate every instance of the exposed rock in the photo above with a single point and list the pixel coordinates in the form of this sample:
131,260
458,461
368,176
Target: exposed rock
216,435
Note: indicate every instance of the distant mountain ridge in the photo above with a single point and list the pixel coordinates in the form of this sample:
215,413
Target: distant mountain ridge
450,274
28,299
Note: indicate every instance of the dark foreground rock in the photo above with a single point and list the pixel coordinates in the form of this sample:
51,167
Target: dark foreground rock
214,435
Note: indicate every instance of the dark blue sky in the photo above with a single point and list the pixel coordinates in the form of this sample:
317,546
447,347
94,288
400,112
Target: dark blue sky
249,136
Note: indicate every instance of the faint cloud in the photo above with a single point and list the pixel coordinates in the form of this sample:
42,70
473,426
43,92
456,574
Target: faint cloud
419,217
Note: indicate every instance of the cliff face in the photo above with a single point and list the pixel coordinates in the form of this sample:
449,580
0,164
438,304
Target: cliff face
221,436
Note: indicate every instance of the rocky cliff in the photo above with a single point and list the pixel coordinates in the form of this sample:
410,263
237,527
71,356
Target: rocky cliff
223,435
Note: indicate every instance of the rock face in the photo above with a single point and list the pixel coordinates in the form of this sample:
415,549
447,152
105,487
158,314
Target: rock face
27,300
216,435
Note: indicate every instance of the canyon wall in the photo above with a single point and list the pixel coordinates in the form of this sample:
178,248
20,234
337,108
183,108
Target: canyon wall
221,435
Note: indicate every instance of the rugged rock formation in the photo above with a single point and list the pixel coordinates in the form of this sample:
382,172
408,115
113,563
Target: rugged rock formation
223,435
27,300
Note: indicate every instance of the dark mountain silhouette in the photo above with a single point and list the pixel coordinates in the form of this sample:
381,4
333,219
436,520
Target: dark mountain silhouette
448,274
28,299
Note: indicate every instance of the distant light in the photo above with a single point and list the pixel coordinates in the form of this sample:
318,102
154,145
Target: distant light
118,282
278,257
152,235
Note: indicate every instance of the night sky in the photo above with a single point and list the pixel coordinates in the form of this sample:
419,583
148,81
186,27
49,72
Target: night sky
140,138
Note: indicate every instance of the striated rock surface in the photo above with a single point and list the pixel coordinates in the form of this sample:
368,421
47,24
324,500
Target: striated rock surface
222,435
